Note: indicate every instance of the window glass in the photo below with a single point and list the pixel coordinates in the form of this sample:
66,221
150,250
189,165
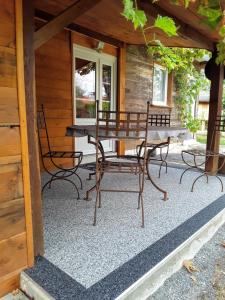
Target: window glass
159,85
85,78
106,87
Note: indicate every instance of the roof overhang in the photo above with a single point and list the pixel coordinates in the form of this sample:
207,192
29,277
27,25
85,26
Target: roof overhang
106,22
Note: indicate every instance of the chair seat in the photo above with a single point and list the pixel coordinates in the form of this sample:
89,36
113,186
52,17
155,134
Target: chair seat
89,166
158,145
122,164
198,152
63,154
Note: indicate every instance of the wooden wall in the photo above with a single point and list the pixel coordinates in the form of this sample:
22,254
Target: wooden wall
54,91
13,240
139,84
54,86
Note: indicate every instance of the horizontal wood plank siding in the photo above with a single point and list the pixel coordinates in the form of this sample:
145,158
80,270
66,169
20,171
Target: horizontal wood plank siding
85,41
7,21
7,67
8,105
13,238
9,282
11,218
54,91
10,182
13,254
10,145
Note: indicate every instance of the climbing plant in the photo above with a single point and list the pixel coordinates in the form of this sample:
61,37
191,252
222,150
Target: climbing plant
188,78
212,12
189,81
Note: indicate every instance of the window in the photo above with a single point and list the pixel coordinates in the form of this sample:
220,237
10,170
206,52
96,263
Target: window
160,85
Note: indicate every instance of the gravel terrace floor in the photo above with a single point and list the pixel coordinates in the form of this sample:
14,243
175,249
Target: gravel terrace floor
87,253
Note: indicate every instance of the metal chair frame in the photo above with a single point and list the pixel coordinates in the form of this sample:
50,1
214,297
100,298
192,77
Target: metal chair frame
121,125
157,120
60,173
219,126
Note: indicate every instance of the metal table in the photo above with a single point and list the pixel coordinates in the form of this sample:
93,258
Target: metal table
154,133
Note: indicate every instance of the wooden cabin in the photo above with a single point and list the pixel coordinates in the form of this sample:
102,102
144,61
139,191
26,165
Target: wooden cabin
39,43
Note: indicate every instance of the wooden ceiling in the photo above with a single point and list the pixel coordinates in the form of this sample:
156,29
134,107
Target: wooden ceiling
106,18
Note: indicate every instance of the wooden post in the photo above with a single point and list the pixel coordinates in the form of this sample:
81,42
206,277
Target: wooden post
121,90
30,110
215,106
170,89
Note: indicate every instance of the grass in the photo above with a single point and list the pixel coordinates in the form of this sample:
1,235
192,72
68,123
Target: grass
202,139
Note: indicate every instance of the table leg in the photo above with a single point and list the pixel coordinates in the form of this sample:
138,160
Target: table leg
165,197
101,149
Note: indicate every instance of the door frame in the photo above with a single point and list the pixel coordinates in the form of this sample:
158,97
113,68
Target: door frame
100,59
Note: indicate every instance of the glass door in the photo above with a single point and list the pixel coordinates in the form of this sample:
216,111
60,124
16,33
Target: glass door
85,90
94,78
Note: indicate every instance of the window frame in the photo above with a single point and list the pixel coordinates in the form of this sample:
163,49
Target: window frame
164,102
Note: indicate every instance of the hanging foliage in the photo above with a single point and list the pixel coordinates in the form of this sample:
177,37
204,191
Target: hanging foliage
188,78
211,11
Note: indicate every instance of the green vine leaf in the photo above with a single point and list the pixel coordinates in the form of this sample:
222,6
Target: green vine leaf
140,18
221,52
213,15
166,24
222,31
186,3
210,9
136,16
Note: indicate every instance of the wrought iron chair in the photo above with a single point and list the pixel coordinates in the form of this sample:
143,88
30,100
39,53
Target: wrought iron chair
199,158
118,125
59,173
157,120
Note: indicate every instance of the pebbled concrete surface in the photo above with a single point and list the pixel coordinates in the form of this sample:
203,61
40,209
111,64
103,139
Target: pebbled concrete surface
88,253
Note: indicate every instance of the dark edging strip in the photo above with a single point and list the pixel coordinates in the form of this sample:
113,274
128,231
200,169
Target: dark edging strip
54,281
123,277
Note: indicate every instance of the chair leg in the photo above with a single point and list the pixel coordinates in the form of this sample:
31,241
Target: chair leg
96,206
60,178
140,199
207,178
220,182
139,195
160,169
50,182
185,172
200,176
90,176
81,184
100,200
56,175
142,211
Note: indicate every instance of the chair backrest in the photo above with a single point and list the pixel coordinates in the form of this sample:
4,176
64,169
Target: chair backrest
42,129
220,124
159,120
122,125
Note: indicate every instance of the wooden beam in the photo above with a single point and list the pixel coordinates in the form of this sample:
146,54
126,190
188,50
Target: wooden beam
27,108
46,17
121,90
185,31
56,25
215,107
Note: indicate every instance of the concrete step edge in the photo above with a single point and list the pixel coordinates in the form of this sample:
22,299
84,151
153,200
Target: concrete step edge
32,288
155,278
